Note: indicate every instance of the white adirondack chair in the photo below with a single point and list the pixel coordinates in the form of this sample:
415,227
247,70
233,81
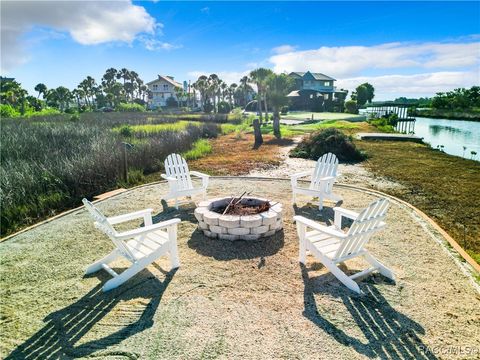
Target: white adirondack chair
332,246
322,179
140,246
179,180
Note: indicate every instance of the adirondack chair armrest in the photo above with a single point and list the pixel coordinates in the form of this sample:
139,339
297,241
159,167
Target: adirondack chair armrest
146,213
319,227
327,178
341,212
199,174
169,178
294,178
203,176
146,229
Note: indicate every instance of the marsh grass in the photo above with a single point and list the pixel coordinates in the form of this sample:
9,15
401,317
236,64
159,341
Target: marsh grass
445,187
49,166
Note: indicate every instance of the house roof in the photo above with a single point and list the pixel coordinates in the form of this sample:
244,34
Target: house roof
167,79
317,76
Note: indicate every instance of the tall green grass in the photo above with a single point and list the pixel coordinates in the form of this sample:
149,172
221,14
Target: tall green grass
49,166
199,149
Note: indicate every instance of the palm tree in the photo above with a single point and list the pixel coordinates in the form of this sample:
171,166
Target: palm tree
42,89
257,78
224,88
279,86
88,86
231,94
245,88
78,94
201,85
214,84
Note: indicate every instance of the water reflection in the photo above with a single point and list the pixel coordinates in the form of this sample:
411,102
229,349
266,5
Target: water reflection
458,137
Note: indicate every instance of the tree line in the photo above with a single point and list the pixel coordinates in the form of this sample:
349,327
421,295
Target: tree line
114,88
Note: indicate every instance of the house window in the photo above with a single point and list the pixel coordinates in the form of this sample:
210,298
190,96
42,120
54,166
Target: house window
327,83
163,95
155,87
165,86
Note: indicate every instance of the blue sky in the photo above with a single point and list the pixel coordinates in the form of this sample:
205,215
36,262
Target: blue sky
402,48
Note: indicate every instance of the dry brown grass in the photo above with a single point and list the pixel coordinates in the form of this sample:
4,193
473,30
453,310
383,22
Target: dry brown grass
234,155
444,187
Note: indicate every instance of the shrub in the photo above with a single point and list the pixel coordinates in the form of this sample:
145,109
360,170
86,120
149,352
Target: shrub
126,131
171,102
284,110
325,141
7,110
385,123
124,107
351,107
223,107
75,118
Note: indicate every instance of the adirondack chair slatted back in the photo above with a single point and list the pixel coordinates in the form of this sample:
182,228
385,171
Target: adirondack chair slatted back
102,224
176,166
368,222
326,166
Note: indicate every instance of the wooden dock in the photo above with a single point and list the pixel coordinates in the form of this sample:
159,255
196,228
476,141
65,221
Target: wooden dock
389,137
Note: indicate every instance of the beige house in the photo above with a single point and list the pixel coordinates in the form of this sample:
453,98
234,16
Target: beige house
161,89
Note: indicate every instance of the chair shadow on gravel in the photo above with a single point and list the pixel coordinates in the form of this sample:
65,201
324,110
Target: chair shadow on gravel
389,333
326,215
239,249
98,320
184,213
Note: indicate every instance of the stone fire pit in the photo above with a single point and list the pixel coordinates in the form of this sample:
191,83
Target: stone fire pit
239,227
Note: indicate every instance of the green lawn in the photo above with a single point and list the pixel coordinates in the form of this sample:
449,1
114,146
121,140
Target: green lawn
305,115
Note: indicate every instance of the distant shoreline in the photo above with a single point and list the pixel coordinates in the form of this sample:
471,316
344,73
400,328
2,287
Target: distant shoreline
450,115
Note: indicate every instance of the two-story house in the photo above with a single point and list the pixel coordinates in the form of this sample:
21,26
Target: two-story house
161,89
309,86
315,81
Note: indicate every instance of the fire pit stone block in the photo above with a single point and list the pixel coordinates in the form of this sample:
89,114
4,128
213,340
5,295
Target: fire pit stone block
239,231
211,218
229,221
250,221
218,229
269,217
260,229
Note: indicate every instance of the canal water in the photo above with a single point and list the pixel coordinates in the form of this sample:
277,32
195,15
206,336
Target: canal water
454,135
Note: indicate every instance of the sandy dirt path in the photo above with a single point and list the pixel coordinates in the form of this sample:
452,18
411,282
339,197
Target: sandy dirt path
353,174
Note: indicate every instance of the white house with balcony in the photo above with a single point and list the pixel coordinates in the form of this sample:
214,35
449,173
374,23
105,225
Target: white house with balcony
161,89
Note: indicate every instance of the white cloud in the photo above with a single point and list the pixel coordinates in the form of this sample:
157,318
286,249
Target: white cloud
153,44
283,49
348,61
388,87
205,10
228,76
87,22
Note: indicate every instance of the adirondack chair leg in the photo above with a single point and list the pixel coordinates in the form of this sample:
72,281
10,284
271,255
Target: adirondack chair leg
320,202
172,238
176,203
302,249
382,269
340,275
124,276
294,198
97,265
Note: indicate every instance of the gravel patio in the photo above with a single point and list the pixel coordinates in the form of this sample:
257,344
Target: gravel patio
235,300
